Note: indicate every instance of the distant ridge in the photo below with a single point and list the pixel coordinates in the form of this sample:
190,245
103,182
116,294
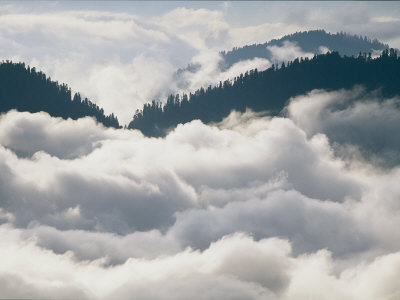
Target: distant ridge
271,89
24,89
311,42
308,41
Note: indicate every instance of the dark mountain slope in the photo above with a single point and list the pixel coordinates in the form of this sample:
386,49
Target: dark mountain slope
271,89
308,41
24,89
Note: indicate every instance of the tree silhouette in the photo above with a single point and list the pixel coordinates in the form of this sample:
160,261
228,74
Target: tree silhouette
308,41
271,89
24,89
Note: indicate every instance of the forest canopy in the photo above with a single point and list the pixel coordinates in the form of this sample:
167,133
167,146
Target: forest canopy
271,89
25,89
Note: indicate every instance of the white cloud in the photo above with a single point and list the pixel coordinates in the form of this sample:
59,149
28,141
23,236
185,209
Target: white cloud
234,267
251,208
121,60
264,32
54,275
375,20
284,214
114,59
118,60
87,245
196,173
123,212
351,118
150,179
208,71
27,135
130,84
202,28
288,52
385,19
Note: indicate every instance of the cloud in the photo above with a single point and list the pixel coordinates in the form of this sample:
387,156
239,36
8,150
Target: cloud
88,245
26,135
263,32
207,71
253,207
234,267
352,118
130,85
121,59
367,19
112,58
288,52
148,179
202,28
198,174
284,214
222,267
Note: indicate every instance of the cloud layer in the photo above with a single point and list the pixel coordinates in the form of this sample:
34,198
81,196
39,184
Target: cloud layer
367,126
251,208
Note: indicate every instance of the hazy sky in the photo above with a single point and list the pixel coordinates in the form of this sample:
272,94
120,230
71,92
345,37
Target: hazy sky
122,54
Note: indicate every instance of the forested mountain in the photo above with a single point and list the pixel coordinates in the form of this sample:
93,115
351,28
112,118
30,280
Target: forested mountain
24,89
308,41
271,89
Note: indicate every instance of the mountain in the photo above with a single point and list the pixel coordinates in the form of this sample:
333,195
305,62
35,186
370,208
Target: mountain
276,51
313,41
271,89
24,89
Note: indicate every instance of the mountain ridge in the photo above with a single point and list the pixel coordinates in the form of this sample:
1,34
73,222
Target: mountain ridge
271,89
309,41
24,89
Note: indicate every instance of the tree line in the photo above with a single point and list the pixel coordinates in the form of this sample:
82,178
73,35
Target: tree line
25,89
308,41
271,89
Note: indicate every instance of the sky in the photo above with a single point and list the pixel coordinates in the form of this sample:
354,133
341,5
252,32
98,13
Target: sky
253,207
122,54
